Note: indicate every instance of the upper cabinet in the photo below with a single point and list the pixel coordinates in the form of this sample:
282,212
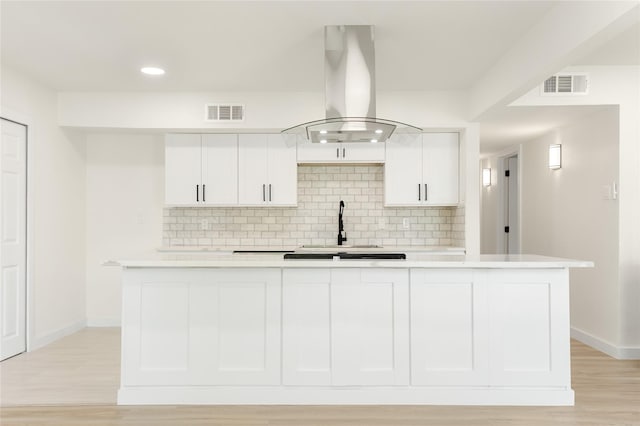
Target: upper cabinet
201,170
267,171
357,152
422,171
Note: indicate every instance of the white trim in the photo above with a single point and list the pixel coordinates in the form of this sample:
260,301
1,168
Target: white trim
41,341
604,346
293,395
104,322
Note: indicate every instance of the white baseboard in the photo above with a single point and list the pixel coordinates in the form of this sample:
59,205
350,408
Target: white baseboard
374,395
617,352
41,341
103,322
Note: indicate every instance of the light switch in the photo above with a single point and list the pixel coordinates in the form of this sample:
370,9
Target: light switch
405,223
204,225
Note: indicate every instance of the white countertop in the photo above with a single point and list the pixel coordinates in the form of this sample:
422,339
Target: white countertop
345,248
413,260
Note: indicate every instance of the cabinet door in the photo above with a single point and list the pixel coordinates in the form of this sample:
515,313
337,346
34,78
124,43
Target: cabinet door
345,327
201,327
363,152
449,328
529,318
369,327
219,169
306,327
403,171
441,163
282,182
183,169
252,169
341,153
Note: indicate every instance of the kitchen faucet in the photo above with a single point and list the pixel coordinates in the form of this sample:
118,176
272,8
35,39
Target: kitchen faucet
342,235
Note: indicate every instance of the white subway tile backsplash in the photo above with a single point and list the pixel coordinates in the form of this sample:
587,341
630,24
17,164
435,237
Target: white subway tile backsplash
315,220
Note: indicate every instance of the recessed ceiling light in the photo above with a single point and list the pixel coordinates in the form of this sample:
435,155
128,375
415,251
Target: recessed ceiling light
152,71
374,140
323,141
323,132
378,131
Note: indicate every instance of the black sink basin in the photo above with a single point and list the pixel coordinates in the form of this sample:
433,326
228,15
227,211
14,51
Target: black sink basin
344,255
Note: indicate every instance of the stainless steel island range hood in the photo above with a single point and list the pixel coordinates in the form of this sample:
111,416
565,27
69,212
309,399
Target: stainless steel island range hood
350,95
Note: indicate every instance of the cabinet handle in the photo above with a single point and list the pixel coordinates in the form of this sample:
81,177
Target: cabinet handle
264,198
337,152
269,192
197,193
426,197
204,192
344,152
418,192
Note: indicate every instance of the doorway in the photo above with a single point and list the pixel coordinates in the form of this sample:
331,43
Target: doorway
510,206
13,238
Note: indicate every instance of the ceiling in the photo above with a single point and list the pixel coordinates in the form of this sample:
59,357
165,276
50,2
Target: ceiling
278,46
254,46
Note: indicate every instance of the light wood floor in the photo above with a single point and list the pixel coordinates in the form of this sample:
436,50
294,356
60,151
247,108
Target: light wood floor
73,382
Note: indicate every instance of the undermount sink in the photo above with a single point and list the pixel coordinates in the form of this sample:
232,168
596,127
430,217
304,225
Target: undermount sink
335,246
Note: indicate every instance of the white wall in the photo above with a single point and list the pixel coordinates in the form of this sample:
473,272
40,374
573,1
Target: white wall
56,223
265,111
489,201
564,214
619,85
125,196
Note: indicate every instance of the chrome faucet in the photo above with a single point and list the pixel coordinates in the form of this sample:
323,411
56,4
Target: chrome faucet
342,235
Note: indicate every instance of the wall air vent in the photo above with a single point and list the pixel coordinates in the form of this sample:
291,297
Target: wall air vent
566,84
224,112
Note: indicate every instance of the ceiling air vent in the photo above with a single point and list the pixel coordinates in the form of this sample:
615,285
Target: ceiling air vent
226,112
566,84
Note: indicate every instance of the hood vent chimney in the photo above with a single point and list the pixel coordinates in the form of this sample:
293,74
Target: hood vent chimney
350,96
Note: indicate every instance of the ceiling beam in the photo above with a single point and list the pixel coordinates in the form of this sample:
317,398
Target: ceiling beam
568,31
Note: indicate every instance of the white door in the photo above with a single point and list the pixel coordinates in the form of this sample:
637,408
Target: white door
183,169
282,184
219,169
252,169
13,181
403,171
440,175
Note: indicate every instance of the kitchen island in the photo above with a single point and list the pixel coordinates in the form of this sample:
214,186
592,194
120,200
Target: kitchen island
258,329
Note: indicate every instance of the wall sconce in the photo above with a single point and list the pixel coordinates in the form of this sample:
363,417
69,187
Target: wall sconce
555,156
486,177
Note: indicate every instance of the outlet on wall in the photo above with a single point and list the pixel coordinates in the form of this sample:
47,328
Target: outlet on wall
405,223
204,225
381,223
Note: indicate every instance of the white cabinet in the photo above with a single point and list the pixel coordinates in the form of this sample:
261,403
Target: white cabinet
201,327
341,152
497,328
267,171
529,335
449,328
201,169
345,327
422,171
